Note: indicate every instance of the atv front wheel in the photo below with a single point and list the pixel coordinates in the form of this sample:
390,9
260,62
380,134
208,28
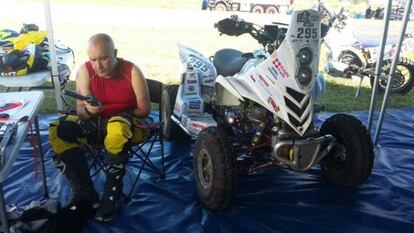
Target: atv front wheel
350,162
214,169
170,129
403,80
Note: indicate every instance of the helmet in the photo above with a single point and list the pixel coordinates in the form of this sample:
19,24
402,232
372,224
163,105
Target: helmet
7,33
22,41
21,62
5,36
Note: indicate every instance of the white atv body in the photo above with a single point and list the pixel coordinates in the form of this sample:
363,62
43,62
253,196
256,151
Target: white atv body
252,110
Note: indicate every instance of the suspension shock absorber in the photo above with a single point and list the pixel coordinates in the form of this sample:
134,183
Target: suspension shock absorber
259,134
257,115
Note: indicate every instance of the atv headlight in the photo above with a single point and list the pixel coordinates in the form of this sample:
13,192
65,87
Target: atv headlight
304,75
305,56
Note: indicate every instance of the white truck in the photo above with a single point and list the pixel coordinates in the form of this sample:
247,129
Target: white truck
254,6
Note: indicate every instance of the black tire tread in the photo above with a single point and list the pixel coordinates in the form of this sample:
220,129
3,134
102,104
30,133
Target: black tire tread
221,196
359,149
171,130
402,62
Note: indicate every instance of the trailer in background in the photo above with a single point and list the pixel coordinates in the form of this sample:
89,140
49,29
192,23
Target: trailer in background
254,6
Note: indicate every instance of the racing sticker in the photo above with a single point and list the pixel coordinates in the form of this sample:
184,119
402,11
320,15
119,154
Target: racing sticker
192,81
198,63
263,80
270,79
198,127
252,78
303,17
280,68
263,83
309,30
207,79
272,102
195,104
274,72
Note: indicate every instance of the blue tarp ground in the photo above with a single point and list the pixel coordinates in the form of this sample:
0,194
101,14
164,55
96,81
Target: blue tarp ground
270,200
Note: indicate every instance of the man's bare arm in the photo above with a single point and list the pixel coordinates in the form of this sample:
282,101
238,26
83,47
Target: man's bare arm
84,110
141,93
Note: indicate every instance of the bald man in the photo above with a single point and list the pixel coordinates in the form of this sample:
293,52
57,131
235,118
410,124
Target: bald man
122,92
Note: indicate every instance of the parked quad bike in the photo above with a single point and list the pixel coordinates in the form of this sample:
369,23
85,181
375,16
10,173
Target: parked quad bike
252,110
355,54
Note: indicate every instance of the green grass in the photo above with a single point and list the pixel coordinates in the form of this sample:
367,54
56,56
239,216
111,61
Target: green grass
155,51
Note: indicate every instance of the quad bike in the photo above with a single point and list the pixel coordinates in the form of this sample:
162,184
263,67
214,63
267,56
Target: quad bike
252,110
353,54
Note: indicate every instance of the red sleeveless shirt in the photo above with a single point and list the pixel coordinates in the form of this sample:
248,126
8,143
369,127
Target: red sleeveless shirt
116,94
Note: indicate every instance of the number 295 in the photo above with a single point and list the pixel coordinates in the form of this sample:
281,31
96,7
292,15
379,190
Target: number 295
307,33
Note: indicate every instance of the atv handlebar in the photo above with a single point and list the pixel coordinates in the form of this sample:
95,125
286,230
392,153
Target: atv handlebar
267,35
233,26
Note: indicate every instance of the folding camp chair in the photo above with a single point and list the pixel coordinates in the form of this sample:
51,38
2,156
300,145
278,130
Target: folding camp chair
143,150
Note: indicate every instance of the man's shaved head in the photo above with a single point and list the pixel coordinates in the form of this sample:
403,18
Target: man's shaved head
102,54
102,38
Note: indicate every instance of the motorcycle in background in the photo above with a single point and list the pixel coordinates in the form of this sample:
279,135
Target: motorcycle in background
353,54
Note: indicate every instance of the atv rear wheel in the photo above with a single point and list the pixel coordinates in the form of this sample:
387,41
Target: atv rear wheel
170,129
350,162
403,80
214,169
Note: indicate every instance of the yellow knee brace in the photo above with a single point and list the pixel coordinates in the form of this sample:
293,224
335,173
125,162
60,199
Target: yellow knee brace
59,145
118,134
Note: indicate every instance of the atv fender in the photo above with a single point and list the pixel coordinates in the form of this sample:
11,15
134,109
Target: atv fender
225,92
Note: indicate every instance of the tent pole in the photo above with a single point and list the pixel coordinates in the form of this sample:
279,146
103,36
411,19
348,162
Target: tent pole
378,67
393,68
52,50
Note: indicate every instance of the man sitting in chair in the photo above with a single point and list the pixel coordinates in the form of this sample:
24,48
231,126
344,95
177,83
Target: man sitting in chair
121,89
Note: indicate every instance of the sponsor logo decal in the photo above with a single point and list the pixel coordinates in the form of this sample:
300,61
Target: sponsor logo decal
252,78
274,72
263,80
208,80
280,68
198,126
272,102
303,17
192,81
194,106
195,101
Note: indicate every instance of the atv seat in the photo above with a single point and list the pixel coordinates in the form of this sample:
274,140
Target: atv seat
373,41
229,61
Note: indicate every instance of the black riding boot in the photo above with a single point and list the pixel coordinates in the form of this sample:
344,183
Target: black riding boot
73,165
112,197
